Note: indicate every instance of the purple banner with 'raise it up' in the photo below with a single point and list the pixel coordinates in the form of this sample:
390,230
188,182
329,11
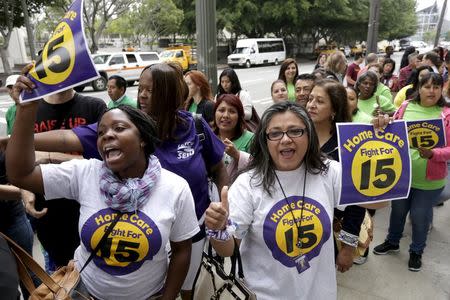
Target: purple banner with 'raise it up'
376,165
65,61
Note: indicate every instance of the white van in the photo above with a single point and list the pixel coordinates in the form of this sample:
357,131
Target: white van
129,65
250,52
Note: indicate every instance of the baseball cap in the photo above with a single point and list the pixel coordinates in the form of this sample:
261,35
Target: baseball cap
11,80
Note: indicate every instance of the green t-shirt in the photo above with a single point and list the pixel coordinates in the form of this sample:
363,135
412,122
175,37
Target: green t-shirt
368,106
10,118
193,107
415,111
361,117
383,90
243,142
124,101
291,91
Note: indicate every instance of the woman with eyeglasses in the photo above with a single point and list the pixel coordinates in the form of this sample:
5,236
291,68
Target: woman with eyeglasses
280,210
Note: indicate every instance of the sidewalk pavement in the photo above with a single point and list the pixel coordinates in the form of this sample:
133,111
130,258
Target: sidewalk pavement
385,277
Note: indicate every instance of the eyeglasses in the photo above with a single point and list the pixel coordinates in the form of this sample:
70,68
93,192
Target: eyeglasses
292,133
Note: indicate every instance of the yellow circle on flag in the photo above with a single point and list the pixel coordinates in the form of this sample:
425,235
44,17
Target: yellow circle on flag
57,58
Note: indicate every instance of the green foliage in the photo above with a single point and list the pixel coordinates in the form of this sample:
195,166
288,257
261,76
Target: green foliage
429,36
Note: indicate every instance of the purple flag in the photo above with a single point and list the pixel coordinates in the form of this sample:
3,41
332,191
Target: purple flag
376,165
65,61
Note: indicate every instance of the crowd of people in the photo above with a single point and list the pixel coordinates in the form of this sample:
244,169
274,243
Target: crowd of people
179,167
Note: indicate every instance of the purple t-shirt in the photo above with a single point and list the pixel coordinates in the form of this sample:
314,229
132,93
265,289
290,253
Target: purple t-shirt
186,156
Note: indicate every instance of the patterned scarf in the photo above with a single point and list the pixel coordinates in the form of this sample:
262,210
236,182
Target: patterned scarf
131,194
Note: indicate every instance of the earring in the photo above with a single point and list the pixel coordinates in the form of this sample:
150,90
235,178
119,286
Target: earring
332,117
142,145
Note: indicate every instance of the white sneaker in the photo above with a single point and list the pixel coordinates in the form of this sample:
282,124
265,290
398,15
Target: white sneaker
360,260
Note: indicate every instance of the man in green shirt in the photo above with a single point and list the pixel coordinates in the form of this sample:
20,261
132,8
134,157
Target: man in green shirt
11,112
117,87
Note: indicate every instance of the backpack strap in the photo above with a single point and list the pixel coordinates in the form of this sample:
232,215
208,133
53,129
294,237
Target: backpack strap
199,127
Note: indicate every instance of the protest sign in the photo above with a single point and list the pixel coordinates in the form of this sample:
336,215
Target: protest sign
65,61
426,133
376,165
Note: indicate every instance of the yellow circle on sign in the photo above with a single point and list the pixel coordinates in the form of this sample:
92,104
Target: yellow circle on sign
57,58
422,137
376,168
311,231
127,243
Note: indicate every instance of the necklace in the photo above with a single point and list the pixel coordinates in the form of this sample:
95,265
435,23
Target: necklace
301,260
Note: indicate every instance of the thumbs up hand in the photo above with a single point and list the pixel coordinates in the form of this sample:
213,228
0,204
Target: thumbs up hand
217,213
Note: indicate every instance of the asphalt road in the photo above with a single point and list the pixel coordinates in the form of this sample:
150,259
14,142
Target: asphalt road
256,81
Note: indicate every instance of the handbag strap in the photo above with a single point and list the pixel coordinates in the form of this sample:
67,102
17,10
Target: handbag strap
24,259
236,257
102,240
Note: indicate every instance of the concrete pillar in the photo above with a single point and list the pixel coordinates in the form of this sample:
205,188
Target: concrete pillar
205,20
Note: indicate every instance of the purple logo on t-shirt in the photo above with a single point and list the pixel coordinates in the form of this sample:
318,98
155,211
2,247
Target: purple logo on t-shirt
281,230
134,239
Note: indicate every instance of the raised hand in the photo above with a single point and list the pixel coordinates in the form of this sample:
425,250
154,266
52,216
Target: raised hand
216,215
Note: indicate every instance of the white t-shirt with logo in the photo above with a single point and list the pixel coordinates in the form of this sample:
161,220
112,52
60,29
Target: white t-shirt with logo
269,235
134,260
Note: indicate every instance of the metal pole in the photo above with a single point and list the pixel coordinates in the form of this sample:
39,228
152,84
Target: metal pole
372,33
205,21
30,35
439,27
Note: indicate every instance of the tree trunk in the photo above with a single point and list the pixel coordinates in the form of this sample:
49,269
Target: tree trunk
5,61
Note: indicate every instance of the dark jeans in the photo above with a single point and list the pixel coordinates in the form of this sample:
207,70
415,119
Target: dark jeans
419,204
19,230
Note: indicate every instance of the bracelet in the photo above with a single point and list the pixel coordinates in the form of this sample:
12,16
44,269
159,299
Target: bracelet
224,234
348,238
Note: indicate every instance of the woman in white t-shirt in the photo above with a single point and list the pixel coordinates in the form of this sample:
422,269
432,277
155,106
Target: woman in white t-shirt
288,178
156,205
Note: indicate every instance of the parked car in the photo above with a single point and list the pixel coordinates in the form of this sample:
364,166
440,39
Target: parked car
129,65
419,44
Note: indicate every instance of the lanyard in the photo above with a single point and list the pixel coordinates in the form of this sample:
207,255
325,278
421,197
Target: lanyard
299,224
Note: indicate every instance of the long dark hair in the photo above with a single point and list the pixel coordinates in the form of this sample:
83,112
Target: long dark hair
405,59
262,164
234,79
169,91
414,80
284,67
435,79
338,98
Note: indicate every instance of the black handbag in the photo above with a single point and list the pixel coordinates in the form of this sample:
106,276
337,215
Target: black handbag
212,282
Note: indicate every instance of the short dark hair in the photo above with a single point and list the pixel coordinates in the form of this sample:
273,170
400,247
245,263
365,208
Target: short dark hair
306,76
120,81
436,79
359,55
434,57
145,125
389,61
